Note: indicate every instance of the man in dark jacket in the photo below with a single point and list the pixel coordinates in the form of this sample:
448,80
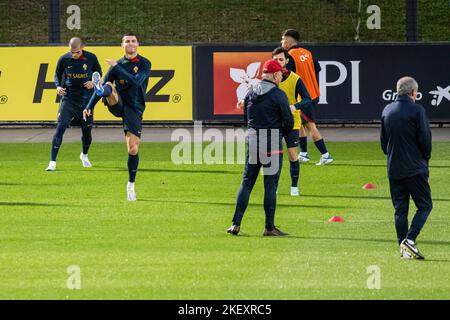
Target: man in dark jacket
406,139
268,115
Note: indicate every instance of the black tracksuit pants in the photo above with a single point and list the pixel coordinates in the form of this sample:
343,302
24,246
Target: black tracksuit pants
419,189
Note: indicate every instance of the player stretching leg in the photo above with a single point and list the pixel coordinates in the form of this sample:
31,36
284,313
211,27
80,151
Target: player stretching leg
123,92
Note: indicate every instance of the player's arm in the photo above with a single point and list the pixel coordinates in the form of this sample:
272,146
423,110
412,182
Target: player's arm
139,78
243,104
317,68
58,77
424,134
302,92
287,121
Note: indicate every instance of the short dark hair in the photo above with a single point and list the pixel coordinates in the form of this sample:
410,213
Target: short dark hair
129,35
292,33
279,50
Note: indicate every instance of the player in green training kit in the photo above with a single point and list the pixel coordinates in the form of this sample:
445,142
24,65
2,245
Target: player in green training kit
73,71
123,90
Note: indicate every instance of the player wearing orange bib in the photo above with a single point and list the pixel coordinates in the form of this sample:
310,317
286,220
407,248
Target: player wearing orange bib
302,63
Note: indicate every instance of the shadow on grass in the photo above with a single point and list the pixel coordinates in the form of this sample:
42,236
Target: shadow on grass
192,171
34,204
436,166
359,197
344,197
170,170
232,204
12,184
358,165
334,239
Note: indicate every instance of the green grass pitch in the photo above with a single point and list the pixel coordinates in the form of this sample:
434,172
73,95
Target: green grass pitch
172,244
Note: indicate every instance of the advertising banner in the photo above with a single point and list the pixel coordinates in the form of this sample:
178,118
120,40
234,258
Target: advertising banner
27,91
356,81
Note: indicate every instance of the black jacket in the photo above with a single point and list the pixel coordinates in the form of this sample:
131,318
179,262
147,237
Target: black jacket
405,138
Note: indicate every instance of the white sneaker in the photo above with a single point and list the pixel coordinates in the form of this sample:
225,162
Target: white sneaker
409,246
131,195
324,159
405,254
294,191
51,166
97,80
84,159
303,157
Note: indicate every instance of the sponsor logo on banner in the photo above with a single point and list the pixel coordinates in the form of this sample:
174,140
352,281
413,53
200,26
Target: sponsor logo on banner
439,94
342,70
390,95
234,75
29,89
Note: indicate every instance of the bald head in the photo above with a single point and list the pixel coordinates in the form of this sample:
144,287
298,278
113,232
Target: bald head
76,47
75,43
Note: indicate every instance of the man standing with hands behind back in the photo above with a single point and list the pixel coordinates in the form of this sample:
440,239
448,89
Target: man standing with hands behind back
406,140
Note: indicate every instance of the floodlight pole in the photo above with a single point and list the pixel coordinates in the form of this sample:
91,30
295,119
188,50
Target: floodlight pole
412,29
54,32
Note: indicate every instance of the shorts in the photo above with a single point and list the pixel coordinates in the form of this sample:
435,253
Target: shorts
131,119
71,113
292,138
307,111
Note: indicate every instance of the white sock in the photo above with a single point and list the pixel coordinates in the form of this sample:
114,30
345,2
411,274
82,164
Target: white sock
303,153
326,155
130,185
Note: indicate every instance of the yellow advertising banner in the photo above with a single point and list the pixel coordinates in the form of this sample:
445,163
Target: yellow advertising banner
27,91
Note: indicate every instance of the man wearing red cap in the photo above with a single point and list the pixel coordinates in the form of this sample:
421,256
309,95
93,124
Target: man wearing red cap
268,115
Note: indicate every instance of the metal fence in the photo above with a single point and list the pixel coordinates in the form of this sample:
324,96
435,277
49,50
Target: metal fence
27,22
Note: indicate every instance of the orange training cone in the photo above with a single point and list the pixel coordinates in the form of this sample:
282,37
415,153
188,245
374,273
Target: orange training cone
369,186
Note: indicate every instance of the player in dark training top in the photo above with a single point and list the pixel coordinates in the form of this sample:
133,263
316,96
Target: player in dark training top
123,90
72,80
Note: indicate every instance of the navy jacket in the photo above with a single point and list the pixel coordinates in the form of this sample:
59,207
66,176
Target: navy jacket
267,107
73,73
131,79
405,138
